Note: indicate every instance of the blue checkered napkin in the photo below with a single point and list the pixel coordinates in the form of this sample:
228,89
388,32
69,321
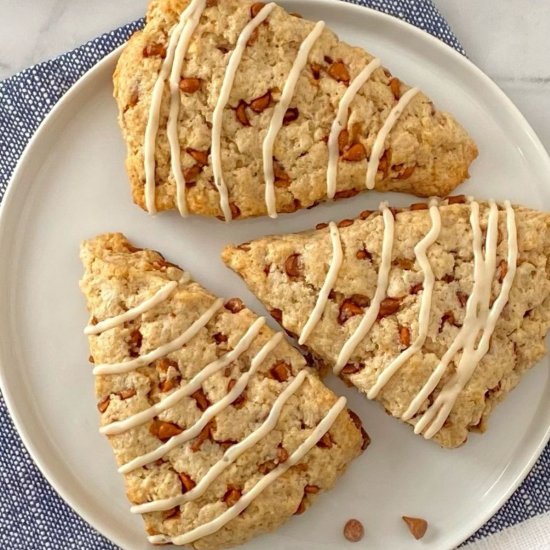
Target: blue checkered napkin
32,515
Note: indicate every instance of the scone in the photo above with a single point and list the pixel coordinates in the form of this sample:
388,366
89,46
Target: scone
435,311
220,428
236,109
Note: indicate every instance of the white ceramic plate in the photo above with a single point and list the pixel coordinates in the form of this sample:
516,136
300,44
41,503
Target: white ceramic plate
71,185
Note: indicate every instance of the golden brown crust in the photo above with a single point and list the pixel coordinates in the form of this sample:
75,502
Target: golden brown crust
118,277
516,345
428,152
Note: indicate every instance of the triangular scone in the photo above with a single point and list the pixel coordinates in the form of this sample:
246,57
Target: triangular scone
234,109
220,428
401,309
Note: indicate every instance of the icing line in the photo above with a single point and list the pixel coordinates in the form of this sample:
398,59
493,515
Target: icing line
207,415
341,121
279,112
371,315
134,312
332,275
379,142
175,101
192,386
217,118
230,455
420,251
190,333
215,525
152,127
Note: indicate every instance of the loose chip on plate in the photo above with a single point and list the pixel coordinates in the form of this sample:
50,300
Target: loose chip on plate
220,428
234,109
435,311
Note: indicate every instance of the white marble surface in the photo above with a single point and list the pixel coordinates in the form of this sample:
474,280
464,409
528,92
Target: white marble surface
508,39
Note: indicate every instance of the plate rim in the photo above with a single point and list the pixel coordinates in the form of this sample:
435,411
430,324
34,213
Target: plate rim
15,183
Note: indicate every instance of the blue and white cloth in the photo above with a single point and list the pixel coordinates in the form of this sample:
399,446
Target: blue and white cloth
32,515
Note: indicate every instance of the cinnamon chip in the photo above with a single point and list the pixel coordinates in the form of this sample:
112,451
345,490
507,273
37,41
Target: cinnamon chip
190,85
418,206
127,393
134,343
456,199
344,223
261,103
405,336
355,153
345,194
232,495
325,442
359,425
186,482
240,113
502,270
206,433
103,405
154,50
395,86
267,467
417,526
353,530
281,371
282,454
363,254
202,401
293,265
256,8
348,309
200,156
291,115
164,430
389,306
352,368
234,305
277,314
343,140
339,72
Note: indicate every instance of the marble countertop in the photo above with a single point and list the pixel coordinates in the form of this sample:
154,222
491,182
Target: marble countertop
509,40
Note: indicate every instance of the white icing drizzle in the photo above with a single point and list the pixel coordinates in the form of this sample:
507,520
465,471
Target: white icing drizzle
151,130
189,334
341,121
382,284
471,317
175,101
379,142
216,524
232,454
420,251
486,321
192,386
332,275
208,414
279,112
217,118
134,312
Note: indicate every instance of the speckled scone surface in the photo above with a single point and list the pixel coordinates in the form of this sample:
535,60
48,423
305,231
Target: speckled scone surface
427,153
289,288
117,278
